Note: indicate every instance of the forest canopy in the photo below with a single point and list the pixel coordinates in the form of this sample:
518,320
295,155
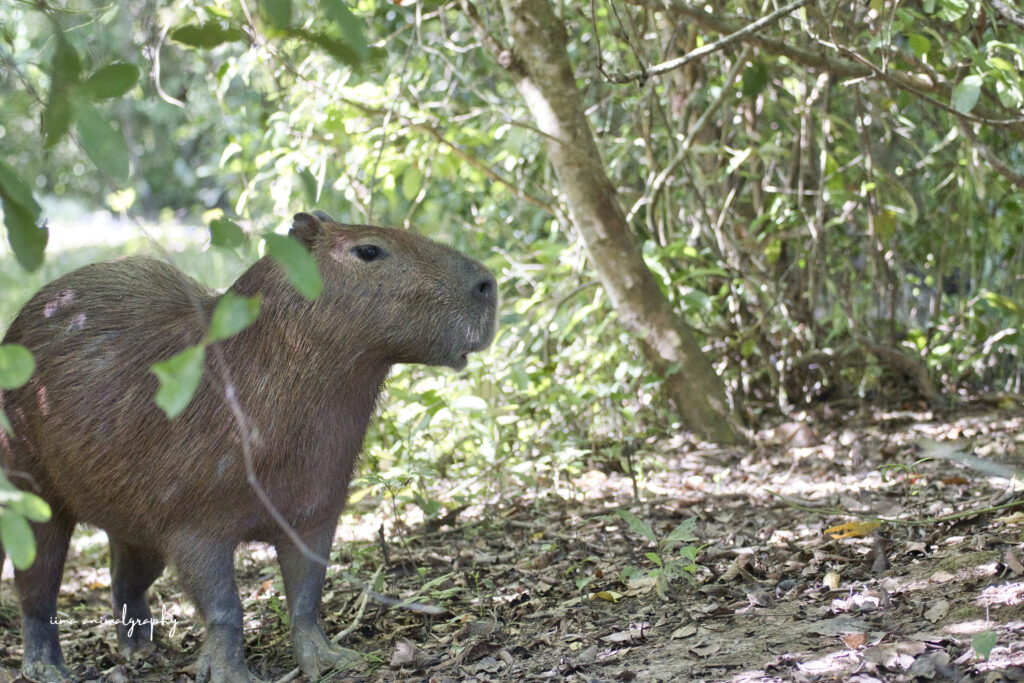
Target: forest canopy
716,228
826,195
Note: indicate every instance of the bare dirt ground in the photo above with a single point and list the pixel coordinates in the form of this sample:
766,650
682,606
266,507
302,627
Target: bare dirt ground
553,583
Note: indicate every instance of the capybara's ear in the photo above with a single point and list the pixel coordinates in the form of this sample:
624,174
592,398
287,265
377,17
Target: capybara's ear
306,227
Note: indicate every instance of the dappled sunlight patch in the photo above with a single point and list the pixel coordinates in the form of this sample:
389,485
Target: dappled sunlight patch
831,663
968,628
1006,594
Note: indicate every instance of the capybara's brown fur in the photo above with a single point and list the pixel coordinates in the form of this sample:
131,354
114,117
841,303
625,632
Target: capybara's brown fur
90,440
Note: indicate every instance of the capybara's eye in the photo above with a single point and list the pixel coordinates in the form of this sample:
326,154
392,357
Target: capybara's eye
368,252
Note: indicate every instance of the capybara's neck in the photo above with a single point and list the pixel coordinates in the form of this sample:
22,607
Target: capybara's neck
293,344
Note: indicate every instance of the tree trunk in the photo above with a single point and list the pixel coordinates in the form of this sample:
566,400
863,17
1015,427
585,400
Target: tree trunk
539,63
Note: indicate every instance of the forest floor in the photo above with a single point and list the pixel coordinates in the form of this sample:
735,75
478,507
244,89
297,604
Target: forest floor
555,583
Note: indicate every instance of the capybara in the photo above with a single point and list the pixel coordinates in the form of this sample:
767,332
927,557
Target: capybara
89,439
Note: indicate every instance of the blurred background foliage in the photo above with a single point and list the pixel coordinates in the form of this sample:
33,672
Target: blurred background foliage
834,203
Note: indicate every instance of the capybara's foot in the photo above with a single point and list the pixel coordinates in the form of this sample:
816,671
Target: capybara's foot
46,672
316,655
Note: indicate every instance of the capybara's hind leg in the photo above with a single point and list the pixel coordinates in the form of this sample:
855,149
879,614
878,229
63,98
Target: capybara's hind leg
37,590
132,571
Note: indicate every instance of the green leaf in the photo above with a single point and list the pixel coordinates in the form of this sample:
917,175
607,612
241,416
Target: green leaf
920,45
27,240
637,525
983,643
683,532
337,49
206,36
30,506
6,423
104,145
299,266
747,348
16,366
1009,94
64,72
654,557
952,10
66,64
233,314
310,186
112,80
226,233
16,190
1001,64
1003,302
278,12
16,537
350,25
56,117
21,215
179,378
966,93
755,77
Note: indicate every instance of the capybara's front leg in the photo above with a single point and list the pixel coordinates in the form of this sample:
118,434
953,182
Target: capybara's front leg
207,571
303,586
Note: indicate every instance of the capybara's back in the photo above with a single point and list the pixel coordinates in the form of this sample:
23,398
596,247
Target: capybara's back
84,426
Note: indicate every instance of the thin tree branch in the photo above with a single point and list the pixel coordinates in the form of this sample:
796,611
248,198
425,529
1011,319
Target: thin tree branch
1006,12
997,163
894,78
841,68
740,34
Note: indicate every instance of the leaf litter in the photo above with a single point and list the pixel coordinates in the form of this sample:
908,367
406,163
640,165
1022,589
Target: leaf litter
839,552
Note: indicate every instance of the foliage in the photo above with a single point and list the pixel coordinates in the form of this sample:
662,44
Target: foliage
16,367
982,643
792,190
670,559
17,508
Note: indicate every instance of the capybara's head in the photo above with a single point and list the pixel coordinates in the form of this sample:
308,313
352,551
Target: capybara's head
403,297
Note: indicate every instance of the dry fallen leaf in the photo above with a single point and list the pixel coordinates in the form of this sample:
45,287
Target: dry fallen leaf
610,596
1012,563
631,635
706,650
760,598
854,640
684,631
1015,518
795,435
642,585
895,655
938,610
407,654
831,579
736,568
837,626
857,529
